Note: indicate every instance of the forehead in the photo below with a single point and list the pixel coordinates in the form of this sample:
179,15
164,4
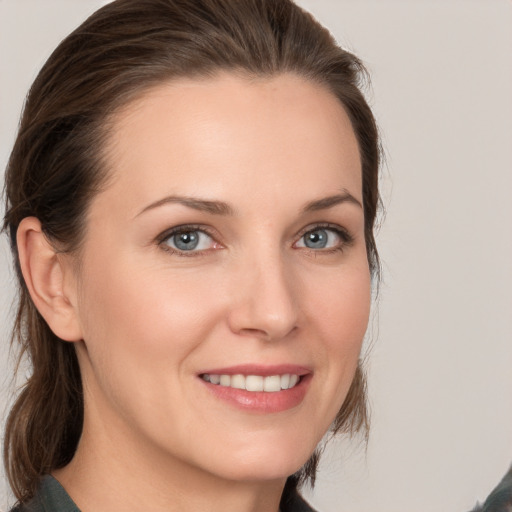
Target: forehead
229,135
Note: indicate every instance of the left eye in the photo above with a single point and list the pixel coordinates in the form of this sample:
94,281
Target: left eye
189,240
320,238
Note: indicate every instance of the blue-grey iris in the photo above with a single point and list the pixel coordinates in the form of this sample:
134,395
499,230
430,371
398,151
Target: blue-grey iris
316,239
186,241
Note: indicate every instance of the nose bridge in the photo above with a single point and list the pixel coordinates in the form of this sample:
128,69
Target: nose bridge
266,303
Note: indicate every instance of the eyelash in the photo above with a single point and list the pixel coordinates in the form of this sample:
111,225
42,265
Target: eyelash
346,239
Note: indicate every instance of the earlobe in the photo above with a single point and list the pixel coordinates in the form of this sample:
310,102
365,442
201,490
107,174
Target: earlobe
44,272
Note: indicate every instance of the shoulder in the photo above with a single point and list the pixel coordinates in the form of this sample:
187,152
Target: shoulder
50,497
34,505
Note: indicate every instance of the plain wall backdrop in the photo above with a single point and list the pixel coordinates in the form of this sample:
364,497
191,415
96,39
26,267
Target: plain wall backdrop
440,377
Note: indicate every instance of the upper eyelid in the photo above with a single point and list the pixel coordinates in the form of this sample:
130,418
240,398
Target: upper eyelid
183,228
326,225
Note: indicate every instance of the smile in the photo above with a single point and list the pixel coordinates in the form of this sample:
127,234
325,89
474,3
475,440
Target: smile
259,389
254,383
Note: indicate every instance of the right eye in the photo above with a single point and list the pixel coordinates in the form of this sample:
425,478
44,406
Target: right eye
187,240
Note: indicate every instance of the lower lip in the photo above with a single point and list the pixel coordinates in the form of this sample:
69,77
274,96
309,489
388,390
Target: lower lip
260,401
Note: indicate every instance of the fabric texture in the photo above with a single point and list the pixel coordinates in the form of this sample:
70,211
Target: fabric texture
52,497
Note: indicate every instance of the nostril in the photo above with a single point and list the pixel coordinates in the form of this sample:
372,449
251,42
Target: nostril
270,334
255,333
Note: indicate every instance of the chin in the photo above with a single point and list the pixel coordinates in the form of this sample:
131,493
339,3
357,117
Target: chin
275,469
260,463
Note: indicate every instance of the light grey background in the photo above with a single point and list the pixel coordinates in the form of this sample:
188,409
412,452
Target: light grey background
440,367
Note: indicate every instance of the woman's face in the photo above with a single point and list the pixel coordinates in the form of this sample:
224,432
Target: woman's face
224,290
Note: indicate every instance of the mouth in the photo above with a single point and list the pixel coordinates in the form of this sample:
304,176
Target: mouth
259,389
254,383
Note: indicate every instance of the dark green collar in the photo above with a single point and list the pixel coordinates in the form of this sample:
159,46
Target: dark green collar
50,497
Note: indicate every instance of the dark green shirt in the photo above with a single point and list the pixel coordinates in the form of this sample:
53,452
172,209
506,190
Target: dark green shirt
52,497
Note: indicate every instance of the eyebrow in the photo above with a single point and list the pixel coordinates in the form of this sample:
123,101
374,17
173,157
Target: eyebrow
330,201
222,208
202,205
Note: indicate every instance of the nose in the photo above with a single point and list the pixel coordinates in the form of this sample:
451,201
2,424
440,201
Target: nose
264,300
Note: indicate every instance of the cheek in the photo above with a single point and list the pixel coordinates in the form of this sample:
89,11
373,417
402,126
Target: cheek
145,307
340,313
342,308
141,325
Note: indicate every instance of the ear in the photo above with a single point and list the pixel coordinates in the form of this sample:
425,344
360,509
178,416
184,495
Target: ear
46,275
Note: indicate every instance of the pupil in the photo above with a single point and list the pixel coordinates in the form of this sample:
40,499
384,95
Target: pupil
316,239
186,241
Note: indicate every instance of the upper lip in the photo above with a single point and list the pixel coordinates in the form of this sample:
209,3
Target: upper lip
258,369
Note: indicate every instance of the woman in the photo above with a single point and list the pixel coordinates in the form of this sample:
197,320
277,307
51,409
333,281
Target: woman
191,201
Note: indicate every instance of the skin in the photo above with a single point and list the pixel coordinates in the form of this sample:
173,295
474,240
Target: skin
146,320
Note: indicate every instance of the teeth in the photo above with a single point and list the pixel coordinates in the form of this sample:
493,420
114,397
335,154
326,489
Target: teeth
225,380
254,383
269,384
272,383
238,381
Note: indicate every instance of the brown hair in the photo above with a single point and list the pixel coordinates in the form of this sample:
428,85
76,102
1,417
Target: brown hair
56,167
